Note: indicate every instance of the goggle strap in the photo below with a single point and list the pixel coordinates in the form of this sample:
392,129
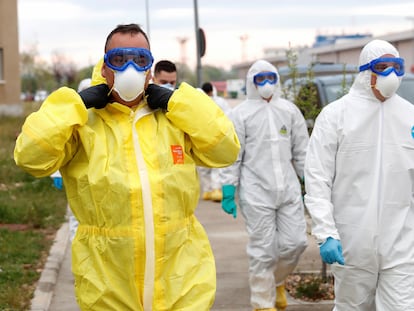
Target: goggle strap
364,67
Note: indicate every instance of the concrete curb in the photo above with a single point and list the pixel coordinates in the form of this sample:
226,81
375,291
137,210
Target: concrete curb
46,284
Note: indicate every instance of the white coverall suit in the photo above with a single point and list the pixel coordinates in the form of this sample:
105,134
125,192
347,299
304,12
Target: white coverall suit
359,177
273,139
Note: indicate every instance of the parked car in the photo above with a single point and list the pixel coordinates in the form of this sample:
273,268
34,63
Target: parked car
317,70
406,89
331,87
326,88
322,90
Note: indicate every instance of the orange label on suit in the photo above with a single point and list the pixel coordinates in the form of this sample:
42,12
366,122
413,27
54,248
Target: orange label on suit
178,154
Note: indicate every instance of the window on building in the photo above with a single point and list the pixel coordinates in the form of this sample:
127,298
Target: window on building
1,65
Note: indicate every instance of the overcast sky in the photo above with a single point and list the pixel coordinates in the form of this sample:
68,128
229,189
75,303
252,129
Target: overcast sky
78,28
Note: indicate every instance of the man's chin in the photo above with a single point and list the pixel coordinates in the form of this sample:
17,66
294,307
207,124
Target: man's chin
128,103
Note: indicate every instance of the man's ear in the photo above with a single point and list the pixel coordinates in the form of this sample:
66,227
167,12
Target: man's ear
97,77
103,69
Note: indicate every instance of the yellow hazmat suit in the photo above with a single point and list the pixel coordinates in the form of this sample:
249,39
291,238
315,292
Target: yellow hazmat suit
131,181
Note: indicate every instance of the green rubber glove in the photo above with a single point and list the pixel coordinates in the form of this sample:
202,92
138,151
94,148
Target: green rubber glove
227,203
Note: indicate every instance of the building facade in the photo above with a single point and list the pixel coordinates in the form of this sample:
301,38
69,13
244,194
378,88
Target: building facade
341,52
348,52
9,54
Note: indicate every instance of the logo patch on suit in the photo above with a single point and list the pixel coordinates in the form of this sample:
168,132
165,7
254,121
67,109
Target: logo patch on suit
177,154
283,130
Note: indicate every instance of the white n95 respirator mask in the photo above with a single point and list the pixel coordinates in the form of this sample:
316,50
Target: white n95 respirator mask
266,91
388,85
129,83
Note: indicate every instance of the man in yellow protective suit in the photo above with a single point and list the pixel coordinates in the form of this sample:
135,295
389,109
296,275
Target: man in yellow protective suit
129,168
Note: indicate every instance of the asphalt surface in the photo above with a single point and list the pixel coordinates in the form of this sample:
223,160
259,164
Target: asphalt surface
55,290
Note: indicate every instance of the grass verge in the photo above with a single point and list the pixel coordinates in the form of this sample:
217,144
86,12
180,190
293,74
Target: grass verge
31,211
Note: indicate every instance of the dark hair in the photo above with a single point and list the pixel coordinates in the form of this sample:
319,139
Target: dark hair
165,65
128,28
207,87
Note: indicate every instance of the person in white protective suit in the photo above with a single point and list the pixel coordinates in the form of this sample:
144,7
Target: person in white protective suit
273,138
209,177
359,177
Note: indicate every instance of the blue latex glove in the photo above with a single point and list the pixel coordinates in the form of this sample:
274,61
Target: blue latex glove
227,203
58,182
331,251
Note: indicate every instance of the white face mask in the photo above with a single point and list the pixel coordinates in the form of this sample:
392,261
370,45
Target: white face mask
130,83
266,91
168,86
388,85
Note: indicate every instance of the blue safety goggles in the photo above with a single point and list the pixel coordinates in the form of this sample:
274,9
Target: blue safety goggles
265,77
120,58
385,65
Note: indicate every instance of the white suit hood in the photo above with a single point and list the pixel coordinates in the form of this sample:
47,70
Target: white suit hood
259,66
372,50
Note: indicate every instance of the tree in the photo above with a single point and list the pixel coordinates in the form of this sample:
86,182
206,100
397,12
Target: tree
64,70
185,74
35,73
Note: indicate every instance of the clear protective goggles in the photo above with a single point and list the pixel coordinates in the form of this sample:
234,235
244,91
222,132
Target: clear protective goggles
265,77
383,66
120,58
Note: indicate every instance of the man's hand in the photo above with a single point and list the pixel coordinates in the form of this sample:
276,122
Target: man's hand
58,182
227,203
331,251
158,96
95,96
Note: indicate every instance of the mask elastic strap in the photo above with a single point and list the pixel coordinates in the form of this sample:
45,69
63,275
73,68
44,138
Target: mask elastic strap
375,75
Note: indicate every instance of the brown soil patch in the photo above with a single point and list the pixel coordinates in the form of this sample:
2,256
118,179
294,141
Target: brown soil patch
310,287
16,227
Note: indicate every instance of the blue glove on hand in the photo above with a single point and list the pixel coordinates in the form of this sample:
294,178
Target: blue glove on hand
331,251
227,203
58,182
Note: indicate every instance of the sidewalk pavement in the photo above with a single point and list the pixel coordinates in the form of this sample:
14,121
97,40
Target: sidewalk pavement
55,289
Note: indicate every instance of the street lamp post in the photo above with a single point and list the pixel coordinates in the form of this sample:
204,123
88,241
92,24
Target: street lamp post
147,18
197,31
411,18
